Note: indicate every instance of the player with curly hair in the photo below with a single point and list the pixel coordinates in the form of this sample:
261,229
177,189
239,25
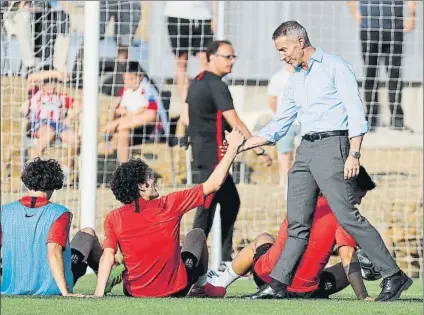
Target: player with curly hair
147,230
33,229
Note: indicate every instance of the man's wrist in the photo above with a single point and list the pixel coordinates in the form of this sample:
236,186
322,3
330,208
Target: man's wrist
355,153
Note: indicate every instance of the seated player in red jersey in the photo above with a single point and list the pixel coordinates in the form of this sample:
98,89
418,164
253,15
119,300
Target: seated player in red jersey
311,279
147,231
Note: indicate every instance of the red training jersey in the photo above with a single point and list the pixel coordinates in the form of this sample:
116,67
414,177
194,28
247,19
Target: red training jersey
150,242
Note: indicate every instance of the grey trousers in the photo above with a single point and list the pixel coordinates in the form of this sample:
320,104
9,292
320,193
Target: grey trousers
319,165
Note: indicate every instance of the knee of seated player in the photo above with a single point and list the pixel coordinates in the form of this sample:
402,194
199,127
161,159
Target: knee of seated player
198,234
263,238
89,230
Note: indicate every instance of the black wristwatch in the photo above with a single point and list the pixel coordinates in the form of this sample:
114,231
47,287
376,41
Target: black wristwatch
355,154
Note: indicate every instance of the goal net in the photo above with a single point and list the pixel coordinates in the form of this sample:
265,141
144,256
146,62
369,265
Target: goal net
42,37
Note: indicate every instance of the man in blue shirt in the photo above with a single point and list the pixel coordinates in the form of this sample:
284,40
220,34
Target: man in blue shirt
382,27
324,97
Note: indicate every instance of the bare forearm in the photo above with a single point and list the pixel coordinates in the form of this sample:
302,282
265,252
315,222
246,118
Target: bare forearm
355,143
353,8
105,266
216,179
253,142
55,258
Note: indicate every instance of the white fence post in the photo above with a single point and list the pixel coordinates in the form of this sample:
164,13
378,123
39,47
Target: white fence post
216,249
90,112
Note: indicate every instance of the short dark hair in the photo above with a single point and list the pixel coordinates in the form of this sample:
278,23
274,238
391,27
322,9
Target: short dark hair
364,180
43,175
290,29
127,178
133,67
214,46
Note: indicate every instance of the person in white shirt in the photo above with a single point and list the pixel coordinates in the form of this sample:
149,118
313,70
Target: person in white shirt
191,25
285,145
135,113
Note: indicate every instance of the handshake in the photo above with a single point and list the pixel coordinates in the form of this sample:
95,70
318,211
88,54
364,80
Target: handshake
234,142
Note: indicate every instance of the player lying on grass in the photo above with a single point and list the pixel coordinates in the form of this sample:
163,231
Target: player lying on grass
37,258
147,230
311,279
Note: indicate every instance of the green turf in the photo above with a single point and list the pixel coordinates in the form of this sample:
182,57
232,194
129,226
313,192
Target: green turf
342,304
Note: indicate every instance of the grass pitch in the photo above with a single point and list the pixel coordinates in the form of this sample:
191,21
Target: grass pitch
343,303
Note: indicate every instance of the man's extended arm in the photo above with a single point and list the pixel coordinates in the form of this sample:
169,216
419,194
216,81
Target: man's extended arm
233,119
278,127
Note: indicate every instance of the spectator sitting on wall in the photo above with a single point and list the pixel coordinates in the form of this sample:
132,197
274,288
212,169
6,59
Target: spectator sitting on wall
50,115
136,111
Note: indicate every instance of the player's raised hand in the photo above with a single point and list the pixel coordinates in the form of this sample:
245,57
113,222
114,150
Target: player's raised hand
235,138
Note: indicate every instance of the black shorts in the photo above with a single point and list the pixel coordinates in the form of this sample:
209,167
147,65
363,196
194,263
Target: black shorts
189,35
260,251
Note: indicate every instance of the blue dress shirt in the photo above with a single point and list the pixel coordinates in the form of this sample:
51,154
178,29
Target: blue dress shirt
323,98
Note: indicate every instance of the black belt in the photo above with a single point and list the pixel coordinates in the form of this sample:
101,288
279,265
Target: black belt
323,135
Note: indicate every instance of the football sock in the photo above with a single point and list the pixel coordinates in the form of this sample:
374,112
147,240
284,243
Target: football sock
227,277
202,280
353,273
189,260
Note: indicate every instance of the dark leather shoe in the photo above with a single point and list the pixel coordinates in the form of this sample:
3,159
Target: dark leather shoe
267,292
392,287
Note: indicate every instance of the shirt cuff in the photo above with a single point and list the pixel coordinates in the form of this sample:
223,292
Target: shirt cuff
269,136
355,131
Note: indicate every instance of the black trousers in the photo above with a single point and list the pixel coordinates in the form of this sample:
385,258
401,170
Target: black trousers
387,44
229,200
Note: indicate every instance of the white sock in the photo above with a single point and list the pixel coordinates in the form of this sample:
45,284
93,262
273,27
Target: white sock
225,278
202,280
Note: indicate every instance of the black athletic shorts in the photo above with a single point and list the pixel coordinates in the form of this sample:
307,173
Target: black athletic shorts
189,35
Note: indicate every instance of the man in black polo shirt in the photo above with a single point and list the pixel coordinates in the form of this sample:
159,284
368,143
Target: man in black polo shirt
211,112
